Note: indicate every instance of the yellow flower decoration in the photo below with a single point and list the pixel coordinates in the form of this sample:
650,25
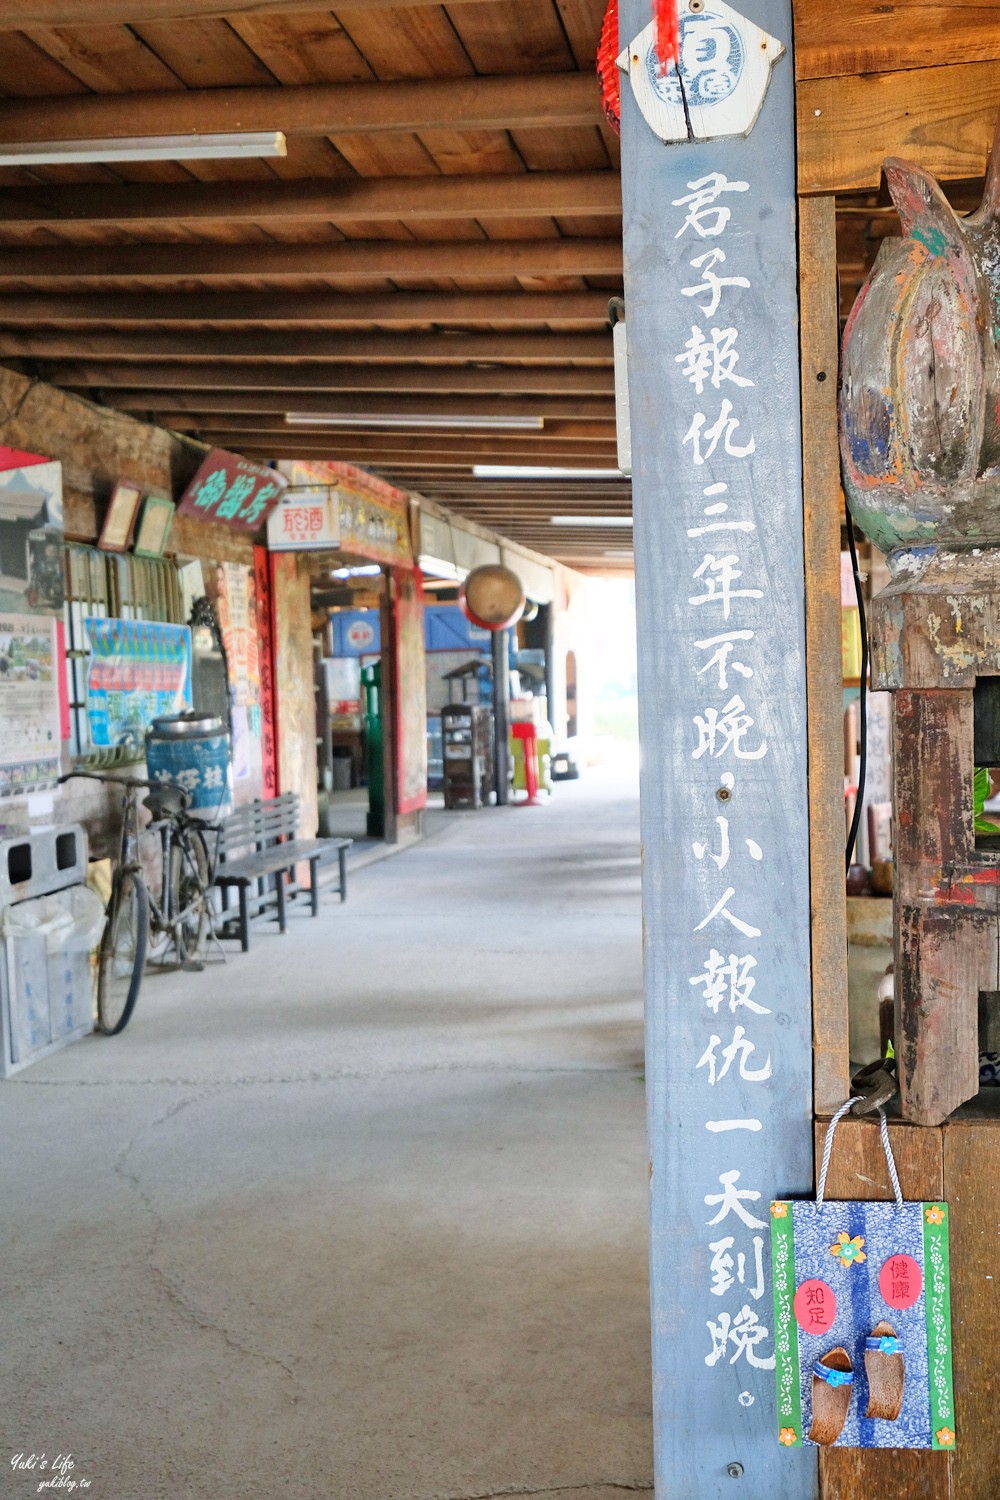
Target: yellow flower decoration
779,1211
945,1437
788,1436
849,1251
934,1214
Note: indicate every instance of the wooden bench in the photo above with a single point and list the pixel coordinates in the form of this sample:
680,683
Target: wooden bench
259,843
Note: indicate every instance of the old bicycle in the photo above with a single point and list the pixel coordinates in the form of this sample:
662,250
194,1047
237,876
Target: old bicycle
179,915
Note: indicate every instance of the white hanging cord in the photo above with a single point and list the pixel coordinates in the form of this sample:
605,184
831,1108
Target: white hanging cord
828,1151
883,1125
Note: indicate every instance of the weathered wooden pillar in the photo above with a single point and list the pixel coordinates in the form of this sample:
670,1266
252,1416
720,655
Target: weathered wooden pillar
919,392
711,309
932,634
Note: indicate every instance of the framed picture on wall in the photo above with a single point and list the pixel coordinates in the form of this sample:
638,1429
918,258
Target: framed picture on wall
119,521
154,526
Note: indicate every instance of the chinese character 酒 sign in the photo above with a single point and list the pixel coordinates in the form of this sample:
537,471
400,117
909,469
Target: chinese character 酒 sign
306,519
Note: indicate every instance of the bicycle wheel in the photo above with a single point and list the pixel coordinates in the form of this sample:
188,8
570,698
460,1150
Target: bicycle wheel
189,877
123,954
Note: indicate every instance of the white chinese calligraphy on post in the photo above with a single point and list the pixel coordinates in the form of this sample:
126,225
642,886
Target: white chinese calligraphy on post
714,382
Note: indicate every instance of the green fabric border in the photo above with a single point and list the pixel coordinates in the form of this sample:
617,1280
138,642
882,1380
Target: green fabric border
937,1302
786,1333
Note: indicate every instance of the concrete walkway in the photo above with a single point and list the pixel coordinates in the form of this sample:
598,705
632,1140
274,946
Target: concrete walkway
360,1215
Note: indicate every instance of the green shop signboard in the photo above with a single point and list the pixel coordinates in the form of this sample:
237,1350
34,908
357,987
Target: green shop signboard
232,491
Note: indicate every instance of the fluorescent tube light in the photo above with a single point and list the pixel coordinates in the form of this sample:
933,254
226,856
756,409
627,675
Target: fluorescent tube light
591,520
409,419
368,570
529,471
144,148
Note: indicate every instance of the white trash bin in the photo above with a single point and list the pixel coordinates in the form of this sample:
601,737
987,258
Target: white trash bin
46,993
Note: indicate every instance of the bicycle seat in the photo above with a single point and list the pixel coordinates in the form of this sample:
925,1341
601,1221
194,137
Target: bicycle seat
166,802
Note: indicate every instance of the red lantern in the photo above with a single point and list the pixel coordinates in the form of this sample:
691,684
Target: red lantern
668,50
607,71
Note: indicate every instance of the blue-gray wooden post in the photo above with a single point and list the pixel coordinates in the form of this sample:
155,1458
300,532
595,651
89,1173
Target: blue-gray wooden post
717,486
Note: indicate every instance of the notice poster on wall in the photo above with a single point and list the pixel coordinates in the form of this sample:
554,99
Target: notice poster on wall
31,535
139,671
29,704
237,621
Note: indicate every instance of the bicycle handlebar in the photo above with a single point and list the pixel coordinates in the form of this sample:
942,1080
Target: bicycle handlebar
112,780
153,786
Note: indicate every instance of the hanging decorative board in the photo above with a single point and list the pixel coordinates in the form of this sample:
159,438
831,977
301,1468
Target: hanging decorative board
862,1310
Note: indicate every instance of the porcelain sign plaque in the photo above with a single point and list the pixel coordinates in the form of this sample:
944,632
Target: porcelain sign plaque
719,86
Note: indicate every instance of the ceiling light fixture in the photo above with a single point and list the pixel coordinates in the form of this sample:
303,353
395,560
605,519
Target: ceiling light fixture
529,471
591,520
144,148
409,419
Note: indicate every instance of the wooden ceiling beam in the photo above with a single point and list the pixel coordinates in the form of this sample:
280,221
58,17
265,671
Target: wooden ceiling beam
17,14
458,493
244,430
582,433
262,344
313,308
549,494
171,405
515,102
848,126
594,380
868,36
406,454
405,473
341,258
545,194
502,518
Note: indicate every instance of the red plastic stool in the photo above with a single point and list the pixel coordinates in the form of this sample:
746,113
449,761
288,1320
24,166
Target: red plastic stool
529,736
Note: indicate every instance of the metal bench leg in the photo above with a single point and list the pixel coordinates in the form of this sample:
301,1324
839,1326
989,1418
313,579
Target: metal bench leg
244,919
279,891
314,885
342,856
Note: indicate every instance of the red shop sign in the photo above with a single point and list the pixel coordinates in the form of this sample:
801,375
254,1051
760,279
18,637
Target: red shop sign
233,491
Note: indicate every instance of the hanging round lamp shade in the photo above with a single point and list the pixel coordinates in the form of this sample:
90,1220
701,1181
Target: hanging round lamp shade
492,597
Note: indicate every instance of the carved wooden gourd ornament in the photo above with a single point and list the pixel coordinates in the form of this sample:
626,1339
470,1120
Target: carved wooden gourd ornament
920,375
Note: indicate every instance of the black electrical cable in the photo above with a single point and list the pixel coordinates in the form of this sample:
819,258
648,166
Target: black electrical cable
852,837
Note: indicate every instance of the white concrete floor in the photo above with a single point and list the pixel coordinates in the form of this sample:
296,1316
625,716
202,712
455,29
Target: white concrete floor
360,1215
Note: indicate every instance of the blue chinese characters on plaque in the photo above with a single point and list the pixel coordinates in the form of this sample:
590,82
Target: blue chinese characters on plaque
712,61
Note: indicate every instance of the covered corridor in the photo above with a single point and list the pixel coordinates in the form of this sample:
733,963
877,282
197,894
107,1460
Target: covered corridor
361,1215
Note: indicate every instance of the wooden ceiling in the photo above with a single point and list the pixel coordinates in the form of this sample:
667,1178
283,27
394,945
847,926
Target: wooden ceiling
441,239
